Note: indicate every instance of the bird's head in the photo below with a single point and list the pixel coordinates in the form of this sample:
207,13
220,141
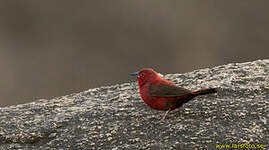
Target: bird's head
145,75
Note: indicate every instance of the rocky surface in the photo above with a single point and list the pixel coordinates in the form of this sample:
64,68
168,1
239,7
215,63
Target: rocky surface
115,117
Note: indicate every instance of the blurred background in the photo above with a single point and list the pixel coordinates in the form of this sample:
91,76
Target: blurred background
53,48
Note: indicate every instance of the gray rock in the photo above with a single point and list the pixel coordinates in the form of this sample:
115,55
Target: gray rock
115,117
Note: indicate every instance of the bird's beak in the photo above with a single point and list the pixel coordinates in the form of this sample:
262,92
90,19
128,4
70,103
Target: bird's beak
135,74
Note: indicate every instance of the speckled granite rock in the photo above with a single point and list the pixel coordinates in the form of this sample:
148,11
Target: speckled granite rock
115,117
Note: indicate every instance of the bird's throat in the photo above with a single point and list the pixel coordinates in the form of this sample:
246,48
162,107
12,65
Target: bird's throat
142,84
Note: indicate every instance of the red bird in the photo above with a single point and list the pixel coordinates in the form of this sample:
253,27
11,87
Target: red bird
161,94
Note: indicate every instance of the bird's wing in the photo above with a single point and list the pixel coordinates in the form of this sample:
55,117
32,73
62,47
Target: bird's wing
163,89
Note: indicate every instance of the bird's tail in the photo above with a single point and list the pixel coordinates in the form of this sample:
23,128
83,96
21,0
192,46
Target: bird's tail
197,93
205,91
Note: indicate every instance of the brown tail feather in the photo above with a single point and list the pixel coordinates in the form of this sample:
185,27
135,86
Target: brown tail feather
205,91
197,93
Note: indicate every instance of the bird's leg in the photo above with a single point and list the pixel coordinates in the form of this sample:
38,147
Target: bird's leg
166,114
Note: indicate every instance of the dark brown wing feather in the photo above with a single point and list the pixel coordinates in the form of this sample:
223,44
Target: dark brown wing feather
163,89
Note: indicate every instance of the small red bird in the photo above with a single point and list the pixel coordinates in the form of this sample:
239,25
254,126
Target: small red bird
161,94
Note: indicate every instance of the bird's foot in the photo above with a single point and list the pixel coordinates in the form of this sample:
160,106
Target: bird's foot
165,114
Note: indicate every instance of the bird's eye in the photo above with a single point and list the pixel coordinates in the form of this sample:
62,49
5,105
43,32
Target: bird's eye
142,74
